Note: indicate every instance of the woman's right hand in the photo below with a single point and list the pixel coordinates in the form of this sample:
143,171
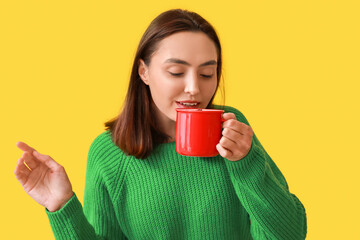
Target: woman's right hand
47,182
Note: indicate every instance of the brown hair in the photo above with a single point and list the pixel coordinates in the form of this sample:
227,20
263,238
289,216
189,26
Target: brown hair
135,131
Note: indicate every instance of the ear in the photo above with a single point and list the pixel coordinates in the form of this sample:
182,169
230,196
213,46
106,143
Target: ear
143,72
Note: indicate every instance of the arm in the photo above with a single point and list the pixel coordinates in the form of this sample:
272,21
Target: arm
97,219
274,212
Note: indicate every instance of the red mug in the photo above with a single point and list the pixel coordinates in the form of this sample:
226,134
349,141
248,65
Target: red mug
198,131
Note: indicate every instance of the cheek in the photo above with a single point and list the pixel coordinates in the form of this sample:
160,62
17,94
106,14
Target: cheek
210,88
164,89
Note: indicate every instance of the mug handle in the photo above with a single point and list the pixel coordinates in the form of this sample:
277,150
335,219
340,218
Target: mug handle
222,121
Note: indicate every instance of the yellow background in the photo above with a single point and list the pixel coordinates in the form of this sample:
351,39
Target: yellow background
291,67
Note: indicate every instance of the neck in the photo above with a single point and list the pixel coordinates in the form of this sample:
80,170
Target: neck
165,124
169,127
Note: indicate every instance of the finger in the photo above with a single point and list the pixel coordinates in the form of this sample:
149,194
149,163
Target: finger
235,125
47,160
227,116
30,160
228,144
225,153
20,166
23,146
21,172
231,134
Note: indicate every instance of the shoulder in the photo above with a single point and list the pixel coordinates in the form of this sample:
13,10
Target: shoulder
106,163
100,143
228,109
104,153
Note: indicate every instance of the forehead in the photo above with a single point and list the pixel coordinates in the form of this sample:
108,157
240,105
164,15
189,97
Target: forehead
192,47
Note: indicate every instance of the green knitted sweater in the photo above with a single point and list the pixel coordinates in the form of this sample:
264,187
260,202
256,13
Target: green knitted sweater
170,196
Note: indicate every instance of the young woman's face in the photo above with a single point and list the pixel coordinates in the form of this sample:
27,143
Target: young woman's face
183,69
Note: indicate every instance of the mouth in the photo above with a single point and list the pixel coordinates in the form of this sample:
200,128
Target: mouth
188,104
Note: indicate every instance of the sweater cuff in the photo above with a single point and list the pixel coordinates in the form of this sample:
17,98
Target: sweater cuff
67,214
250,166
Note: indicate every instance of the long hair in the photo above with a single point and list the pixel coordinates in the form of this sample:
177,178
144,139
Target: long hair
135,131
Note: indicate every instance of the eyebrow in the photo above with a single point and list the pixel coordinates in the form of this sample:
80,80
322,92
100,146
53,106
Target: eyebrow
179,61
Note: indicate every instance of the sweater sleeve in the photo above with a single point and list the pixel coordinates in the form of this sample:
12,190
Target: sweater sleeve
97,219
274,212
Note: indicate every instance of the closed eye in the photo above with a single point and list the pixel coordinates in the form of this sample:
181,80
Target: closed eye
176,74
206,76
180,74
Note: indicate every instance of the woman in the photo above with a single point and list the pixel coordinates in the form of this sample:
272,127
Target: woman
138,187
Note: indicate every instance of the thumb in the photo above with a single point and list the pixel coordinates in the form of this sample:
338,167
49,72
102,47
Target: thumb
229,115
47,160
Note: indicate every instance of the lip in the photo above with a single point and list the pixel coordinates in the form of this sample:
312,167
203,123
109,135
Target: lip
182,106
188,101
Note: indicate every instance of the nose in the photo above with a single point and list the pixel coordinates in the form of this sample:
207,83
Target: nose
192,85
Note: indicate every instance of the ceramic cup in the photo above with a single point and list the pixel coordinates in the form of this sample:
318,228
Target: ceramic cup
198,131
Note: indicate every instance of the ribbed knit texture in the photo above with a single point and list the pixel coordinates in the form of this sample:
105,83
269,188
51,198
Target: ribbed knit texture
170,196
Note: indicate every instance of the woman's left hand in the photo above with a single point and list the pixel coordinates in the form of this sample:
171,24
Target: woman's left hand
236,139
